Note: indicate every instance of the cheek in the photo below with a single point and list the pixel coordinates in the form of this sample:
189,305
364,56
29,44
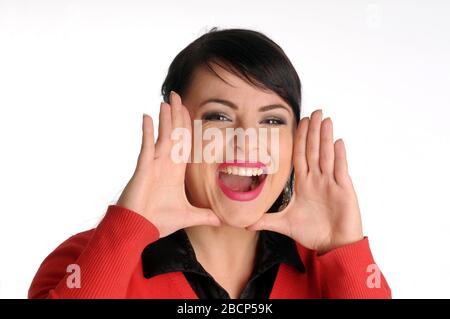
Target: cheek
190,176
281,152
199,177
193,178
281,176
195,185
286,147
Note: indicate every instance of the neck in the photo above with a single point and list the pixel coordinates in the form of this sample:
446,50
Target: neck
225,244
227,254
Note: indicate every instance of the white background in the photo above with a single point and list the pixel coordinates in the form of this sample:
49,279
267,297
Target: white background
75,77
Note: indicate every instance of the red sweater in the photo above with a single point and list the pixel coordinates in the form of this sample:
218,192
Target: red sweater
110,266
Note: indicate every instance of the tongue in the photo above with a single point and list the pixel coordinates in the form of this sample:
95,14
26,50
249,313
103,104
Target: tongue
236,183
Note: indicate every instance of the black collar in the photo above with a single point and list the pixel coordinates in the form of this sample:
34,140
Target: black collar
175,253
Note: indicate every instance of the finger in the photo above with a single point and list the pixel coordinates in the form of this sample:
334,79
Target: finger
177,115
202,216
164,130
187,124
184,112
148,143
300,163
187,120
182,119
340,163
326,147
273,222
313,142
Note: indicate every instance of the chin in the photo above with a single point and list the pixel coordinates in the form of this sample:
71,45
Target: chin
242,188
240,216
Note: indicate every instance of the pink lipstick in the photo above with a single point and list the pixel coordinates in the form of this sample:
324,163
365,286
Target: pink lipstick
241,181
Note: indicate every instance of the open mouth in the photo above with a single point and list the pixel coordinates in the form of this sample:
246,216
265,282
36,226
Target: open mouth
241,181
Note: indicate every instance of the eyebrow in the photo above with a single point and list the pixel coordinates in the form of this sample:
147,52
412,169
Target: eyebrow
235,107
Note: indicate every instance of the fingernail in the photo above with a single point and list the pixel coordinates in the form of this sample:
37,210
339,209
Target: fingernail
172,95
319,113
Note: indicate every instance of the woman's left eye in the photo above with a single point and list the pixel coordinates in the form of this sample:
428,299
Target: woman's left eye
273,121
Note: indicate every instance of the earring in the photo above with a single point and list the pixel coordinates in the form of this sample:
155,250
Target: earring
286,197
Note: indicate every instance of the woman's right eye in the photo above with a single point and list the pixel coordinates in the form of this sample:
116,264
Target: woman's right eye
214,116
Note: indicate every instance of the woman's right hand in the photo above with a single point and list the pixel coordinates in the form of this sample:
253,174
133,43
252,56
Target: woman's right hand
156,190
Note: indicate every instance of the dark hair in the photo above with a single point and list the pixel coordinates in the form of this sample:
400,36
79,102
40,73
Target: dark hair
248,54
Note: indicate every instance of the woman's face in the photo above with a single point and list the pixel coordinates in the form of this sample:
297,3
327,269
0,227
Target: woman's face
238,200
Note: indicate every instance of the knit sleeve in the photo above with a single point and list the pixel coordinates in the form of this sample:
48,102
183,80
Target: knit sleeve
351,272
98,263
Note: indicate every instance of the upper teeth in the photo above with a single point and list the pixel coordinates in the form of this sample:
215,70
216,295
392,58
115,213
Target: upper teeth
242,171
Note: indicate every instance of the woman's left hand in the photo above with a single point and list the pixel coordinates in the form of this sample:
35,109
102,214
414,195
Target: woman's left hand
323,213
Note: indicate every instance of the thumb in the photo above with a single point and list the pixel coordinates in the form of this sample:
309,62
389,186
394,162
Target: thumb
271,221
202,216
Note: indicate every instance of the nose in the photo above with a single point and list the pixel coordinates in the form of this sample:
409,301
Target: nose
243,142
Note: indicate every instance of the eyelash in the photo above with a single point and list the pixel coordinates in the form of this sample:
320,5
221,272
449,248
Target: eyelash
280,121
214,116
211,116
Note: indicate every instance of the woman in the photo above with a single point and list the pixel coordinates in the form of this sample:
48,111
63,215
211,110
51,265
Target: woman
230,228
